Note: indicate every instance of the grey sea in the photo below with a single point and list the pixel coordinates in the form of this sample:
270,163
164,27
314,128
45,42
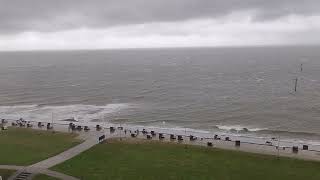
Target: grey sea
242,91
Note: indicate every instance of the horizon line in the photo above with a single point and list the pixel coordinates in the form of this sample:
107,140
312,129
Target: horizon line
159,48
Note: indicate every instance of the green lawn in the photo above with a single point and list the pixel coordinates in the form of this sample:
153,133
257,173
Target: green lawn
4,173
21,146
154,161
44,177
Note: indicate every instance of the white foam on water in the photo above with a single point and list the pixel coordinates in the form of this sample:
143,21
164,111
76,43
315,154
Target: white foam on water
259,79
85,113
239,128
81,112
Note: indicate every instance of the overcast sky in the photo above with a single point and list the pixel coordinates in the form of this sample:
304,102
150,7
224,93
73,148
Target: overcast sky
99,24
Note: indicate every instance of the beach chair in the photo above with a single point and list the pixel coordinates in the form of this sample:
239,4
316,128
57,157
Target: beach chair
295,149
144,131
86,128
172,137
180,138
98,127
237,143
112,129
133,135
49,126
153,133
40,124
215,137
79,128
305,147
101,138
149,137
29,125
227,139
73,127
22,124
161,136
209,144
20,120
193,138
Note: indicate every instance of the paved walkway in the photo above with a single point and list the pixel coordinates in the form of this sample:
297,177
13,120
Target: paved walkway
42,167
68,154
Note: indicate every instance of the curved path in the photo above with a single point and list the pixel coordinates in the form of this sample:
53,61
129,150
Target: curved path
68,154
42,166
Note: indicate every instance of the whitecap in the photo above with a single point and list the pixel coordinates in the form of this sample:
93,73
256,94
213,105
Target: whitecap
80,112
239,128
259,79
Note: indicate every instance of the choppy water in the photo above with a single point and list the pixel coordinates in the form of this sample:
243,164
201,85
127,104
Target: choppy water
236,90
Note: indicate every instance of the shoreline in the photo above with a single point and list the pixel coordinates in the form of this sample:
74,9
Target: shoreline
91,115
247,136
221,141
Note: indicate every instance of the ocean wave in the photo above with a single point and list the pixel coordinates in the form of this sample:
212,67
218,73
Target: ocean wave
80,112
259,79
263,131
239,128
170,129
286,132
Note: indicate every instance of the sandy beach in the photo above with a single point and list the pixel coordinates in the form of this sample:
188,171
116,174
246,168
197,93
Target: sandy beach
202,139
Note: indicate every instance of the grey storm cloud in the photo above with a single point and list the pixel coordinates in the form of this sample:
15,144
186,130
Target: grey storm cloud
56,15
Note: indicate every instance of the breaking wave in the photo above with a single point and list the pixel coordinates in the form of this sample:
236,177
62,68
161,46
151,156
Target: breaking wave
80,112
238,128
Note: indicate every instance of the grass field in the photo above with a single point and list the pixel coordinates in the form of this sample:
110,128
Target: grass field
154,161
44,177
6,173
21,146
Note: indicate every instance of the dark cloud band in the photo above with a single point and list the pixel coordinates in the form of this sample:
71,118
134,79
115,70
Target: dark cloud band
56,15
